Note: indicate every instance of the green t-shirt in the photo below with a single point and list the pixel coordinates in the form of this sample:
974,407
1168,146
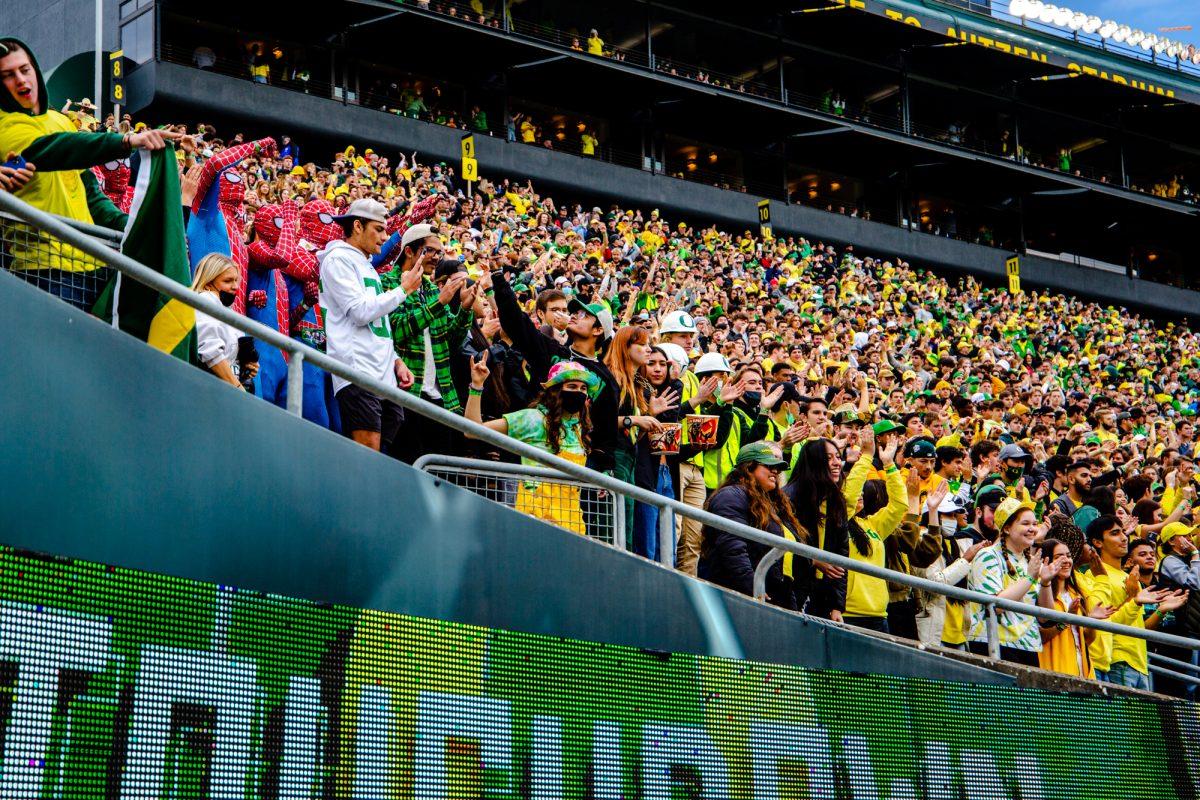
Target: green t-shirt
529,425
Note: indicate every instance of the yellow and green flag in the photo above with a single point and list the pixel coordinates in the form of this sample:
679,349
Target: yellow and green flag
154,236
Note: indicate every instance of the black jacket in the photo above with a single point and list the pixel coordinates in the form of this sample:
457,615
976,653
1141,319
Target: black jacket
542,352
822,594
728,560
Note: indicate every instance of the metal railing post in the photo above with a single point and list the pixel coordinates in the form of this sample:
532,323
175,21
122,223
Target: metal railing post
295,383
993,631
618,519
760,572
666,537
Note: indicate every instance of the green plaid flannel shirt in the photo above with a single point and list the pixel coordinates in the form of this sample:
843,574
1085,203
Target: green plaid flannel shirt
447,331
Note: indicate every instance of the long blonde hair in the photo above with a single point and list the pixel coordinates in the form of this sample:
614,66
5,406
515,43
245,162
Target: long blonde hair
209,269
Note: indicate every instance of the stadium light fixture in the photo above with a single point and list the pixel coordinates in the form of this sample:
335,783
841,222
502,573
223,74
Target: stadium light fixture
1092,25
1017,8
1121,34
1077,20
1063,16
1148,42
1160,46
1135,37
1032,9
1047,12
1173,49
1108,29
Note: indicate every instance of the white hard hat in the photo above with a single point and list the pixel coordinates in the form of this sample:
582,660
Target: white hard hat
675,354
712,362
678,322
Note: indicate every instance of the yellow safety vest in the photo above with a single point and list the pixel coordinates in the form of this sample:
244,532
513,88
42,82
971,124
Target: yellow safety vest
691,386
719,461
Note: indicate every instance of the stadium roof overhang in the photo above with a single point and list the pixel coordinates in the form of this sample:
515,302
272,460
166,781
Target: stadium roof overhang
834,139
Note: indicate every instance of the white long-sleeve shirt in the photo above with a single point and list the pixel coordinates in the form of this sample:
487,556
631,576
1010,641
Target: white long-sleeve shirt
357,331
215,341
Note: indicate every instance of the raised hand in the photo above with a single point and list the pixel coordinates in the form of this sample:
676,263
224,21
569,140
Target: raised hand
451,288
664,402
888,454
733,392
479,370
410,281
1173,601
1100,611
866,441
796,433
708,388
1035,564
938,494
912,482
772,398
1133,582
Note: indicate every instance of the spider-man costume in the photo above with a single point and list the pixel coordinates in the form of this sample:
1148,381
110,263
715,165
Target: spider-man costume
276,231
219,217
114,182
301,275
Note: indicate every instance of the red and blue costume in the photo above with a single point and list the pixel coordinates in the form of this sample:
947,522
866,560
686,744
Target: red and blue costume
114,178
300,270
276,229
219,211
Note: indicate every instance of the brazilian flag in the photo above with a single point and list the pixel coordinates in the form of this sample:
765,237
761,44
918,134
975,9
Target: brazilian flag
154,236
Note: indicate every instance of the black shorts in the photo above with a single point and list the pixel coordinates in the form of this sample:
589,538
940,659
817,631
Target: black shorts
364,411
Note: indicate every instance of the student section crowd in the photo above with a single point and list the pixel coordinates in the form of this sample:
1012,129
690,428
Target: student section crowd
1032,446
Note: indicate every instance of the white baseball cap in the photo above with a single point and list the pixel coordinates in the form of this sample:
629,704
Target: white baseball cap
415,234
366,208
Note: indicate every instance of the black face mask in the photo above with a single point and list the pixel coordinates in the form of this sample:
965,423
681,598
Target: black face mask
753,398
1013,473
573,402
227,298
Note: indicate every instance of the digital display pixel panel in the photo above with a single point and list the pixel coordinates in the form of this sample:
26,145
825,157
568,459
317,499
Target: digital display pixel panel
122,684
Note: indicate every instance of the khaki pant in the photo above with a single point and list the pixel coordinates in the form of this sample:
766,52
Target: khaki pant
687,530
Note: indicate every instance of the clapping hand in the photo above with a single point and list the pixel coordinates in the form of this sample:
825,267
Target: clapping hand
733,391
664,402
708,387
938,494
772,398
866,441
452,288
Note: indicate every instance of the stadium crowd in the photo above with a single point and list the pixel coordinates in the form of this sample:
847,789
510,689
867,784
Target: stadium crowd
1032,446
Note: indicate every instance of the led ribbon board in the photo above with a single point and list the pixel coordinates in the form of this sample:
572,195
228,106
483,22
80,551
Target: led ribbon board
120,684
1033,45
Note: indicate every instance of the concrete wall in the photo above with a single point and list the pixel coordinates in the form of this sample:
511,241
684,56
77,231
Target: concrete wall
118,454
284,110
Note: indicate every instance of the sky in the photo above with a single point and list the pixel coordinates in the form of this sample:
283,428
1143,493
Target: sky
1149,15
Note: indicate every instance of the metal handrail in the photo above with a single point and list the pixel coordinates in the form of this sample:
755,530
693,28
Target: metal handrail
299,352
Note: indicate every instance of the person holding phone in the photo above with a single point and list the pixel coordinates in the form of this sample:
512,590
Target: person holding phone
217,343
49,166
427,330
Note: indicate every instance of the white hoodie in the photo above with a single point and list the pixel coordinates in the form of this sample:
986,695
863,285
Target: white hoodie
357,331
